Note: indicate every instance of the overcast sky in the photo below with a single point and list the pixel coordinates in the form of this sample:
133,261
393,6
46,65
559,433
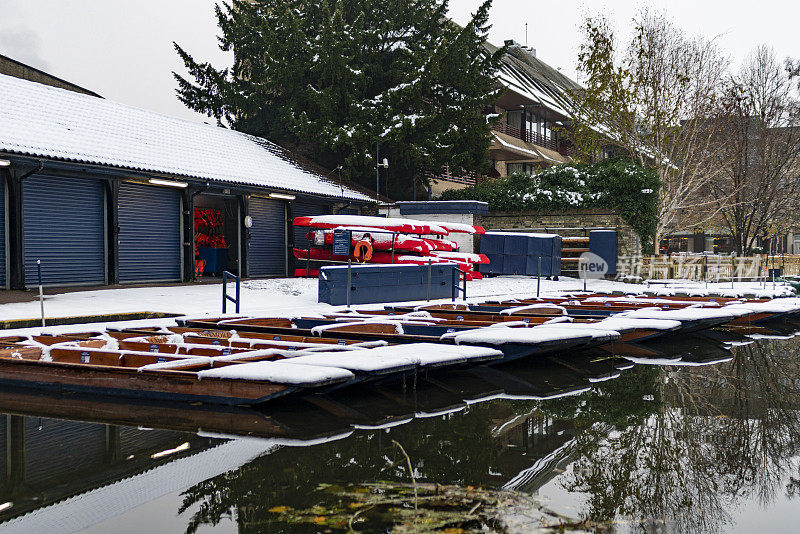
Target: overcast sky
122,49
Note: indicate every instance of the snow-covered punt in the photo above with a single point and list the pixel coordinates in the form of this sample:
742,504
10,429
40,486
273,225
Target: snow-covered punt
160,376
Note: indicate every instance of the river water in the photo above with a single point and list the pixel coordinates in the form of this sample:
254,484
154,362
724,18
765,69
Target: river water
689,436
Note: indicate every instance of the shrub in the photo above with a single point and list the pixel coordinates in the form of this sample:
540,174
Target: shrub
616,184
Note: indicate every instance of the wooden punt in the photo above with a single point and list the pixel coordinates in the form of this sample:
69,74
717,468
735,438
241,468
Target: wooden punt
125,373
589,312
620,303
387,332
471,318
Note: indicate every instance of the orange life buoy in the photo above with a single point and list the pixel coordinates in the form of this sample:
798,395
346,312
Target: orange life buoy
363,250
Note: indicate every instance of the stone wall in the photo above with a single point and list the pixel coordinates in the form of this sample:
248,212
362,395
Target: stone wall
569,223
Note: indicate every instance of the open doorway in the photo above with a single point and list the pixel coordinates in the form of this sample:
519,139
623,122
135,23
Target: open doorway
217,236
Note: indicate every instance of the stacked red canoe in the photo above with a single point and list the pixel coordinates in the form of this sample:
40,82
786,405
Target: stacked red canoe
400,241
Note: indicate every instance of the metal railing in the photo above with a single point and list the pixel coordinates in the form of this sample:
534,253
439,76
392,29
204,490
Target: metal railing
529,136
458,276
225,296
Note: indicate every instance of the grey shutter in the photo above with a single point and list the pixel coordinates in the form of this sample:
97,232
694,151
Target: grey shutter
2,233
266,249
150,233
64,225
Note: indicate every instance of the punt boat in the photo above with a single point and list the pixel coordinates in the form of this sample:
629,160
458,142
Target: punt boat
148,367
159,376
514,342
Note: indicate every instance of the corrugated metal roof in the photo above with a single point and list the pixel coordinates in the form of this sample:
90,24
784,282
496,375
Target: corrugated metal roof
38,120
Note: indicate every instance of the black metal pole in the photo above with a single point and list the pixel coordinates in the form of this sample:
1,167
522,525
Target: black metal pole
538,276
453,286
224,292
41,294
349,280
238,293
430,266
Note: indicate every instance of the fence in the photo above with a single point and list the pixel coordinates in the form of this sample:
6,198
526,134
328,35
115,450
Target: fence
705,267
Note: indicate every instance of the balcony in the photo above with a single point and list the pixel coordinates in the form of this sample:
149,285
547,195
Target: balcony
466,178
532,137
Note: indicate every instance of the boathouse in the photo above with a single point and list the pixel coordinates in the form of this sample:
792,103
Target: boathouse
105,193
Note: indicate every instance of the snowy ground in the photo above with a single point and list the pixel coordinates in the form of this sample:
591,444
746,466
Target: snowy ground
296,296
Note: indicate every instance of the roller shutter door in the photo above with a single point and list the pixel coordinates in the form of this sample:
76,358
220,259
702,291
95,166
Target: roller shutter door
2,233
266,248
150,233
306,208
64,227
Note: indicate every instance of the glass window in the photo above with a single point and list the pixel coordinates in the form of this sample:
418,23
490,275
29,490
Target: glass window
514,118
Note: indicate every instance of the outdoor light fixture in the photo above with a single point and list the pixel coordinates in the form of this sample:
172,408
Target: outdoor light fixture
281,196
168,183
4,163
248,221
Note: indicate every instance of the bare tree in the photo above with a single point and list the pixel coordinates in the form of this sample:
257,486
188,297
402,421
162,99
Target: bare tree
647,100
757,147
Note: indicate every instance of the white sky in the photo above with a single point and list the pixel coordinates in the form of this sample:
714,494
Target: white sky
122,49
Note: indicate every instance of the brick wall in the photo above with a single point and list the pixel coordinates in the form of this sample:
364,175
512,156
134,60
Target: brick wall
570,223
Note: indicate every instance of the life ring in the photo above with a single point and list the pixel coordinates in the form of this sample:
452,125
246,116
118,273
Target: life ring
363,250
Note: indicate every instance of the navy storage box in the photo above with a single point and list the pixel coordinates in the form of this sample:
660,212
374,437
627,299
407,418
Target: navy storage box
514,264
492,243
518,253
216,259
385,283
604,244
515,244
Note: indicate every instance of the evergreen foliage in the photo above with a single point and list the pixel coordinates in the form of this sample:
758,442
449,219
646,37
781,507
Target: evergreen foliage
614,183
331,78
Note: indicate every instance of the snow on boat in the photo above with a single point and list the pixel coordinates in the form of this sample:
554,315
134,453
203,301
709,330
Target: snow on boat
541,337
693,319
159,376
406,226
380,241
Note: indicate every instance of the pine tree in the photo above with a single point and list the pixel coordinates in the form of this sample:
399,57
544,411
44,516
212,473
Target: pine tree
333,78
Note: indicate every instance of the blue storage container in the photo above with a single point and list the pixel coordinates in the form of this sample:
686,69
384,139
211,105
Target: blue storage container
514,264
515,244
385,283
216,259
492,243
532,266
604,244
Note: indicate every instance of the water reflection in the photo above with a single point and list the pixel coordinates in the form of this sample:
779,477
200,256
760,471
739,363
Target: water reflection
675,447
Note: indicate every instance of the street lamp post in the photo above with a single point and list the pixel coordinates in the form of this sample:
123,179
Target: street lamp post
378,165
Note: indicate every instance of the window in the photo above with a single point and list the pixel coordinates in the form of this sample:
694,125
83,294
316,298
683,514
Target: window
526,168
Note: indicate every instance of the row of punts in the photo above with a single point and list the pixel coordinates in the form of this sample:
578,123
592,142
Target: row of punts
253,360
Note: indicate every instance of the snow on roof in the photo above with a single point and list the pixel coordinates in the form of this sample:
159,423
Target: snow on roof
43,121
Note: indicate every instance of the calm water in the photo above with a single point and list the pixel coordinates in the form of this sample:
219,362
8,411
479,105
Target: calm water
707,443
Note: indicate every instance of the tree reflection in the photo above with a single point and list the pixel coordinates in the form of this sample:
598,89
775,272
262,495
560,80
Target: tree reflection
723,433
459,451
671,447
